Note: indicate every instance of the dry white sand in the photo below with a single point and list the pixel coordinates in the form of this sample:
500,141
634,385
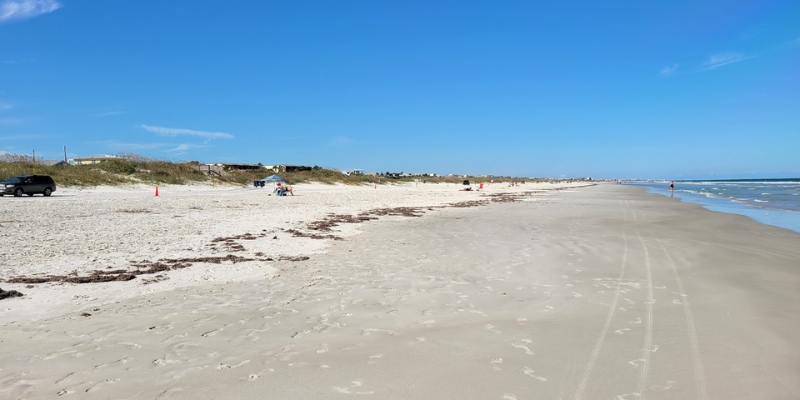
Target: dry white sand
587,293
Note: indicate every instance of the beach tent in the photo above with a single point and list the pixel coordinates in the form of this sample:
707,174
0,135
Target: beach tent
273,178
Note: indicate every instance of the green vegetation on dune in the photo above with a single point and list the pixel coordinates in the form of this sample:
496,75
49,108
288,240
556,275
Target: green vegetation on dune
131,169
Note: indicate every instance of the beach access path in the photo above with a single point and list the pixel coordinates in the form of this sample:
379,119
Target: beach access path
584,293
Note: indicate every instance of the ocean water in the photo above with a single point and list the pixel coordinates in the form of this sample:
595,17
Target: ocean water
769,201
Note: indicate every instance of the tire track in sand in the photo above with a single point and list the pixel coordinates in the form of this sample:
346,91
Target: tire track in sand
648,336
697,363
587,373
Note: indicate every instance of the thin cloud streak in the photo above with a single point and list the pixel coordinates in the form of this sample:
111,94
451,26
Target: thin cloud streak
24,9
133,146
181,131
185,146
717,60
668,70
109,114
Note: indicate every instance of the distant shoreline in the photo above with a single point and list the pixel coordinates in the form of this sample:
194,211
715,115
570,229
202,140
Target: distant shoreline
772,202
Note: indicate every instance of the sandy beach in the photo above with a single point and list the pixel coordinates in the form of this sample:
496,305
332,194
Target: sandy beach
421,291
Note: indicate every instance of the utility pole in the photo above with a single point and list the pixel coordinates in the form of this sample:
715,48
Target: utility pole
34,156
65,155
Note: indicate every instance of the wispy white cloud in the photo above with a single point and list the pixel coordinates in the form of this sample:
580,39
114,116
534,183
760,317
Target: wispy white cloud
717,60
185,147
24,9
669,70
5,105
133,146
181,131
109,114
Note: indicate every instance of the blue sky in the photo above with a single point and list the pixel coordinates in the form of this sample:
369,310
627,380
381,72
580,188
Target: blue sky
628,89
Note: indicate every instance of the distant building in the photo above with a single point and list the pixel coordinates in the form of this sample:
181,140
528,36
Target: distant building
91,160
287,168
235,166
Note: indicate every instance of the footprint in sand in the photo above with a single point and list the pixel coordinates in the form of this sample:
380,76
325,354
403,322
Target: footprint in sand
496,363
491,328
252,377
347,390
531,372
523,347
162,362
121,361
160,328
105,382
621,331
211,333
368,331
653,348
509,396
636,363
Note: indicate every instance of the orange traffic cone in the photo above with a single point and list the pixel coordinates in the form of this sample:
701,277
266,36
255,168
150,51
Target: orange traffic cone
156,190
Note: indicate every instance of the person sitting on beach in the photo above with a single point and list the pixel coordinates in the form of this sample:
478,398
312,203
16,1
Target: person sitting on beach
282,190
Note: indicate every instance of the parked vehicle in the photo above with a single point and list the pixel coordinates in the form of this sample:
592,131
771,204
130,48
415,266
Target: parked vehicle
28,184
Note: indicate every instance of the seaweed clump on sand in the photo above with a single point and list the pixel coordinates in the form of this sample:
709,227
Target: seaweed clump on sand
5,294
143,267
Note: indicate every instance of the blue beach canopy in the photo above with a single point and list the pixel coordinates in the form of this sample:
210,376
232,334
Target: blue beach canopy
273,178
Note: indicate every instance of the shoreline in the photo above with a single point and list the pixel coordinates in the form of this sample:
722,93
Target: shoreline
783,218
595,292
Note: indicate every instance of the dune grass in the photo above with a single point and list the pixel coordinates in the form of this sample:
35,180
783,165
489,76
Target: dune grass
131,169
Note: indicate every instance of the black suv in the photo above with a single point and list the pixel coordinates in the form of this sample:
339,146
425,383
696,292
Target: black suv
28,184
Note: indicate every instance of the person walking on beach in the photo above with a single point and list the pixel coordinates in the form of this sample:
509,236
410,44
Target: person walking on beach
671,188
